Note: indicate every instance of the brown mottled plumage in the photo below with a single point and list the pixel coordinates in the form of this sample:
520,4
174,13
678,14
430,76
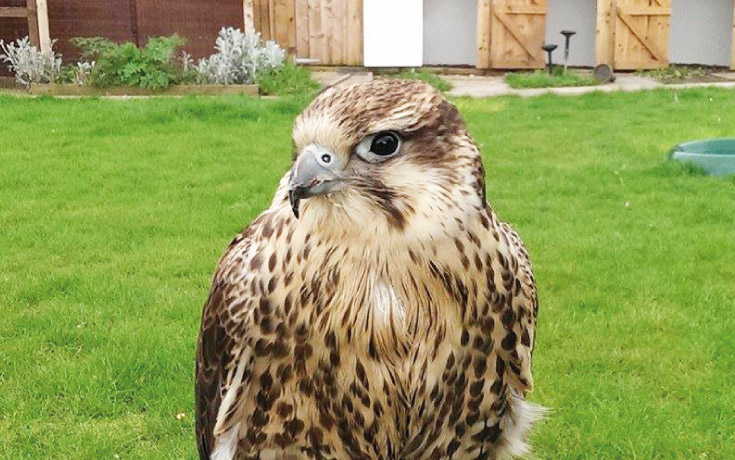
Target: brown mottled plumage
394,319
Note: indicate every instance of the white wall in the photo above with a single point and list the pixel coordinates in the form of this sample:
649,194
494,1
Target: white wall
577,15
450,32
393,33
701,32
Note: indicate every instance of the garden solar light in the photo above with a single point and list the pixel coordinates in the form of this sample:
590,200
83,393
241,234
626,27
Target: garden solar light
549,49
567,37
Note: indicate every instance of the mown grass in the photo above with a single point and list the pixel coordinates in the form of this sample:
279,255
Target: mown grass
543,79
113,214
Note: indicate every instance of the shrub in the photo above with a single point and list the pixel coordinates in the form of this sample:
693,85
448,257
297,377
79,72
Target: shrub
77,74
28,63
152,67
289,79
240,58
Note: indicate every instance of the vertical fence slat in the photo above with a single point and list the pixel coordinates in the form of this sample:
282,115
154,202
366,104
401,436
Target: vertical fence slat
484,10
265,22
337,36
354,33
272,18
134,17
326,30
257,22
316,35
605,32
285,32
301,24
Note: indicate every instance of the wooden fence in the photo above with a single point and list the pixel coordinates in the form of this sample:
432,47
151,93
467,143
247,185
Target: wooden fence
25,18
631,34
329,31
120,20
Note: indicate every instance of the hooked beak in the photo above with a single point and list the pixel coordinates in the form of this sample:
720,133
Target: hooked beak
312,174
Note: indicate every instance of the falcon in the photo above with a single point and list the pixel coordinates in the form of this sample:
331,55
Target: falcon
378,309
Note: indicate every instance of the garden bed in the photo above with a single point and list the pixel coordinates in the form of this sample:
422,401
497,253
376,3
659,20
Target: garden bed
542,79
174,90
107,68
676,74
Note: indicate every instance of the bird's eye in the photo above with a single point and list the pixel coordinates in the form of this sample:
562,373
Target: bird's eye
379,147
385,144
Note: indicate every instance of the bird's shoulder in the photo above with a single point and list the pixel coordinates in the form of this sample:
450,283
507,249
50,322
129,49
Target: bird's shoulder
239,287
513,295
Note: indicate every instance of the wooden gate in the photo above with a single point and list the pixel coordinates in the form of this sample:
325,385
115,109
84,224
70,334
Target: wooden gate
642,34
512,36
329,31
633,34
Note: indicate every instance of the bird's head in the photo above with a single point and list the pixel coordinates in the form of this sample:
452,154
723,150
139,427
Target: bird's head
387,155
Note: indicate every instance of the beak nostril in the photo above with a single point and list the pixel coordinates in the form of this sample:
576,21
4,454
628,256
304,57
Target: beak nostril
326,158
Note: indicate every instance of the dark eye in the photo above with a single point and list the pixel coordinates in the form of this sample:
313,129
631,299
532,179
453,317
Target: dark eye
385,144
379,147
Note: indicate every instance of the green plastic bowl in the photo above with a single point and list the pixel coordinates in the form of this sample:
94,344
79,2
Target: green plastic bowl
715,156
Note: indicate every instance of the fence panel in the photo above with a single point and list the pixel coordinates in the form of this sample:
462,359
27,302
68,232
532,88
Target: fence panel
195,20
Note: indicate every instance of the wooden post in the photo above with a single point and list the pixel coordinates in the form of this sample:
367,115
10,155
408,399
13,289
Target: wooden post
43,30
605,33
32,15
484,11
247,15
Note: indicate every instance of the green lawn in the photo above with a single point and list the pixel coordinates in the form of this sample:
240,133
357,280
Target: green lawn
113,214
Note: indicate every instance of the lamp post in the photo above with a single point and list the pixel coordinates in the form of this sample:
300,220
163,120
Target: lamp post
567,37
549,49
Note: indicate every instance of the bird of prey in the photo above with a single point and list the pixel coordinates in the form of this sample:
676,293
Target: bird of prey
378,309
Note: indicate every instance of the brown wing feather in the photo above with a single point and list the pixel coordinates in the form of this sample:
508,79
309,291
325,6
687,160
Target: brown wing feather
224,332
517,345
210,368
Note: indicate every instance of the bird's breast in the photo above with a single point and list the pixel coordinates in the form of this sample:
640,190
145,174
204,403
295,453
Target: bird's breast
388,309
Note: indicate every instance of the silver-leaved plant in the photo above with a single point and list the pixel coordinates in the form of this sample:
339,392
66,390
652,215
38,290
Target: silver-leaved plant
240,57
28,63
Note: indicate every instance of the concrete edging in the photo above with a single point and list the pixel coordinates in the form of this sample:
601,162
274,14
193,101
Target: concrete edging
479,87
174,90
